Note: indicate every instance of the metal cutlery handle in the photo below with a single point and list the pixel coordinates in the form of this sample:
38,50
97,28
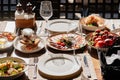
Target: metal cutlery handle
35,67
35,72
87,71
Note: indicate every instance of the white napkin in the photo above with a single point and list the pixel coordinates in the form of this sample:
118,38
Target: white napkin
110,59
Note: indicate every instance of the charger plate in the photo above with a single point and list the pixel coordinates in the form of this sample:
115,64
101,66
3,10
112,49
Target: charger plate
51,70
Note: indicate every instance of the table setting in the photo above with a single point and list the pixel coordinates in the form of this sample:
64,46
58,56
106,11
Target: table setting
29,56
59,49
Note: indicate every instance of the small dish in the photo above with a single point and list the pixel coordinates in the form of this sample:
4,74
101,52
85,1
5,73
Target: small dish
6,40
92,23
70,42
61,25
15,61
68,70
19,46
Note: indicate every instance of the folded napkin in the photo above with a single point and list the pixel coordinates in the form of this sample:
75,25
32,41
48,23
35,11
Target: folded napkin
83,76
112,58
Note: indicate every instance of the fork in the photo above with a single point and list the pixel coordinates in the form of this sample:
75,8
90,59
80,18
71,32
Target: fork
35,67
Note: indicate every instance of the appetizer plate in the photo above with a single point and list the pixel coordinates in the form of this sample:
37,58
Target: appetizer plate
18,46
61,25
51,70
92,27
6,40
13,59
71,42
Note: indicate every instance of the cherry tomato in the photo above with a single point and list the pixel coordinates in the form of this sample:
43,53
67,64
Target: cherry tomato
62,44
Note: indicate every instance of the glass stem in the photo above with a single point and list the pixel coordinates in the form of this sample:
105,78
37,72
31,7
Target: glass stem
46,32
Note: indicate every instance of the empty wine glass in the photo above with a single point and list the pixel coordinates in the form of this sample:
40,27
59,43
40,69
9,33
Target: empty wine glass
46,12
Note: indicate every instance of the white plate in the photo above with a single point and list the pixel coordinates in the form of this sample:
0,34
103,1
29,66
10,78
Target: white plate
18,45
8,44
79,41
91,28
50,70
61,25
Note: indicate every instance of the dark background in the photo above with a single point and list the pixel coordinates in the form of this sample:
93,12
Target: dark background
64,8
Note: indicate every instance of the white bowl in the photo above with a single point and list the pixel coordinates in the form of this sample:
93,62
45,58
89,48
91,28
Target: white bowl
11,77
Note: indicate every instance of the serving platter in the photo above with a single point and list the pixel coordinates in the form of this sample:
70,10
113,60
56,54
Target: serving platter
69,42
50,70
61,25
19,46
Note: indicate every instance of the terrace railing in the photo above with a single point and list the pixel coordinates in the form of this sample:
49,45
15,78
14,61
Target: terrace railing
69,9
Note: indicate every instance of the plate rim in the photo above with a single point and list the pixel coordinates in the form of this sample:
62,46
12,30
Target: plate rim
60,20
115,30
28,52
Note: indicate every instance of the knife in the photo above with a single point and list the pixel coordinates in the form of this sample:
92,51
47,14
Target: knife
87,67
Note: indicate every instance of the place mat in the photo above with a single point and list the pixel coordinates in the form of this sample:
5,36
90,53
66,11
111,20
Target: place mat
3,25
81,77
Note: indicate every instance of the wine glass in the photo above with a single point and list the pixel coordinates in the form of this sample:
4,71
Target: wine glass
46,11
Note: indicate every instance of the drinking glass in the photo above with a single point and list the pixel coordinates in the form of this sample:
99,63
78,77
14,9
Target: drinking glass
46,12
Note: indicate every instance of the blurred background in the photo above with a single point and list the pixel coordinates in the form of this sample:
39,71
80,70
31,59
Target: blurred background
69,9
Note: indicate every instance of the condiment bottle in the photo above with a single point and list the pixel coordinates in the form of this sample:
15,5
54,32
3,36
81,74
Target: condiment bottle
29,8
19,9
